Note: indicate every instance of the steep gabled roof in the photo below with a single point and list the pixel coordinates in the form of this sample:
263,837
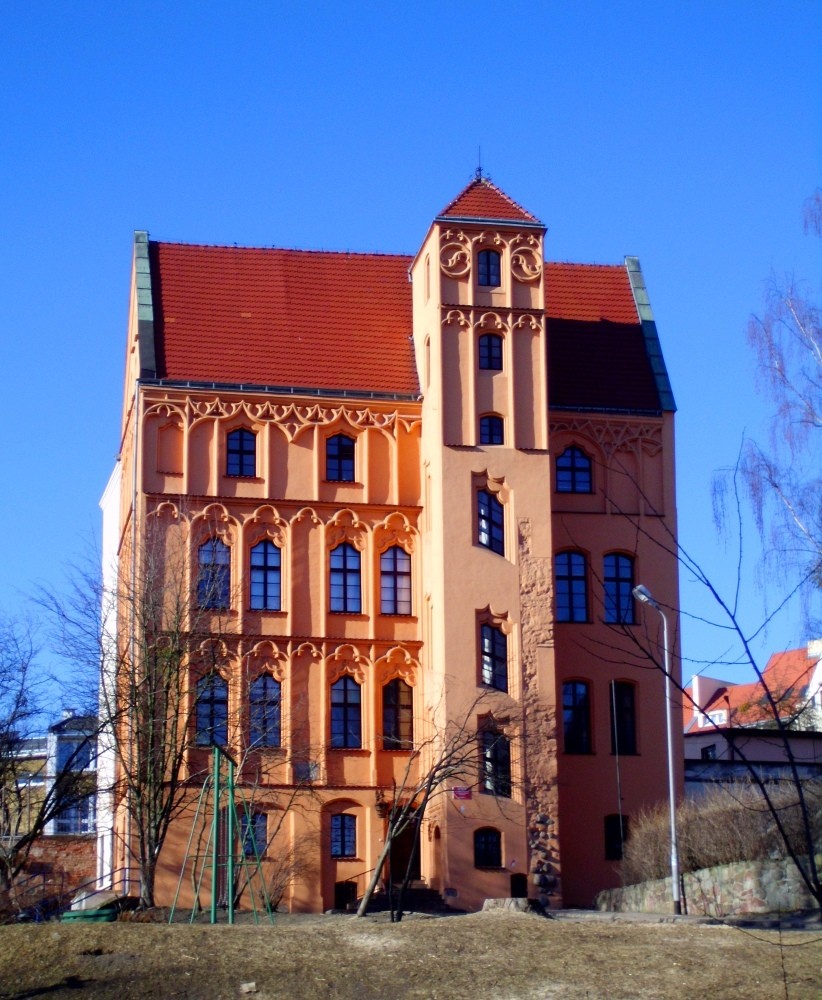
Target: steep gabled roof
598,351
260,316
483,200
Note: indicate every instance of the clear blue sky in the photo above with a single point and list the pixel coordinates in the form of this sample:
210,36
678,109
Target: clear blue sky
687,134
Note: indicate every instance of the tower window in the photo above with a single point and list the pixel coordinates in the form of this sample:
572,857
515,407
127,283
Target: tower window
490,522
490,352
494,657
492,429
395,582
214,576
576,717
346,714
496,764
345,579
212,711
619,583
265,577
397,715
570,580
488,269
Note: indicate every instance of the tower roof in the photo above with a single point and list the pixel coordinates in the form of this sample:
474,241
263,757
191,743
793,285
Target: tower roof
483,200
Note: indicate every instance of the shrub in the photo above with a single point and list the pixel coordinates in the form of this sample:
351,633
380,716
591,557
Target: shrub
729,823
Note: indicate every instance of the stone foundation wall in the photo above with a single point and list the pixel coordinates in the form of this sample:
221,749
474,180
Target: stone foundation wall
744,887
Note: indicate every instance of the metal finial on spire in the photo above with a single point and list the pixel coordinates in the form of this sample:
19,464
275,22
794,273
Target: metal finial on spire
479,163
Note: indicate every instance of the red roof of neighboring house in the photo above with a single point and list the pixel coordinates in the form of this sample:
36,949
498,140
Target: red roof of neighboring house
283,317
787,676
483,200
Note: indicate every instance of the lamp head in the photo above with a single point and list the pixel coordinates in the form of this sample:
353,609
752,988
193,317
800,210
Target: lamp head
642,594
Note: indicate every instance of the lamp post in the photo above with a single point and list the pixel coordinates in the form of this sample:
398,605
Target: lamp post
643,595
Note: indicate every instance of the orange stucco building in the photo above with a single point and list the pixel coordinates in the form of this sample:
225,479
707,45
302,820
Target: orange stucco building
420,490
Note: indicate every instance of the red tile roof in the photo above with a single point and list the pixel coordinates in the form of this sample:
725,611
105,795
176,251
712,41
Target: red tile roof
342,321
483,200
597,357
787,676
283,317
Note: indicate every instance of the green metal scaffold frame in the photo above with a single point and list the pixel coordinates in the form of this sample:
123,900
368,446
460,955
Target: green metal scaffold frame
215,792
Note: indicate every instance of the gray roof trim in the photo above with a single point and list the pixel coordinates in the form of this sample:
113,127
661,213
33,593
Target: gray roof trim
145,306
466,220
279,390
652,346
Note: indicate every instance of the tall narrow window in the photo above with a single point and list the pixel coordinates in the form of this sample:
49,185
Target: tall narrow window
573,471
211,712
570,580
490,352
496,764
492,429
264,712
576,717
397,715
488,269
487,848
346,717
343,835
254,833
395,582
339,459
265,577
241,453
623,718
494,657
490,522
617,830
214,577
345,579
618,573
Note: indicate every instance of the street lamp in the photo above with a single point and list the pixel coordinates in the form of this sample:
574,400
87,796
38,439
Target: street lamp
643,595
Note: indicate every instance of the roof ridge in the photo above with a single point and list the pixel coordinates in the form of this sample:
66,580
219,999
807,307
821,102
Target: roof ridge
273,247
488,183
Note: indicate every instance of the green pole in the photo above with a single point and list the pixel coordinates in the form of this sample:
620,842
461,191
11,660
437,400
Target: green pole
215,833
230,838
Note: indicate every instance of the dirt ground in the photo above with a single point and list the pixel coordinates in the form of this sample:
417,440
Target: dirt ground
483,956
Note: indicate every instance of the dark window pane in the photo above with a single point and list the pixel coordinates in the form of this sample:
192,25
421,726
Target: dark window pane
576,717
490,352
623,718
619,584
345,579
573,470
395,582
496,764
397,716
343,836
570,580
265,577
491,430
212,711
488,269
241,453
346,718
264,712
214,576
487,848
339,459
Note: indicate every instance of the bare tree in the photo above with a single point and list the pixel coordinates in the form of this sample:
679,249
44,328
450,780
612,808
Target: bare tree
458,753
158,637
33,790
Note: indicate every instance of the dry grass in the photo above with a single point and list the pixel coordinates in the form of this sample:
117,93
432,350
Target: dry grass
486,956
